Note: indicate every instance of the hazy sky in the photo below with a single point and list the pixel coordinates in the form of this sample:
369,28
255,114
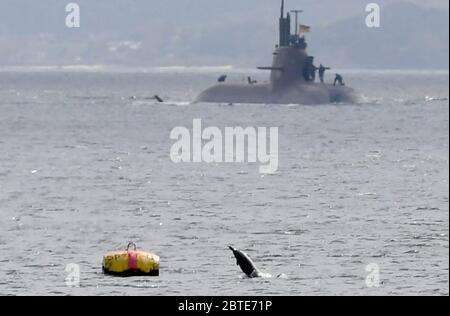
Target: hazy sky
32,15
192,31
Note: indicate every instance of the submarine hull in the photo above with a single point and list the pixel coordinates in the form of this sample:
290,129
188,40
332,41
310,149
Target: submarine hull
301,93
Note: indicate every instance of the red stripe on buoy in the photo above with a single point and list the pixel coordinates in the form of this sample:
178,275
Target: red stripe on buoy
132,260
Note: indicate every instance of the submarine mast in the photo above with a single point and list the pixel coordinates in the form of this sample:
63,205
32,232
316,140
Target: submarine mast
286,38
285,27
297,12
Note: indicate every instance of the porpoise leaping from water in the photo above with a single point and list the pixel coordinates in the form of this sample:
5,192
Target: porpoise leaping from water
246,264
158,98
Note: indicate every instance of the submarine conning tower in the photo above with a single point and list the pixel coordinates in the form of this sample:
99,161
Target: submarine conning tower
291,63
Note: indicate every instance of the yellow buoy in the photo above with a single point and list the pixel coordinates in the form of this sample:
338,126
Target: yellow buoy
131,263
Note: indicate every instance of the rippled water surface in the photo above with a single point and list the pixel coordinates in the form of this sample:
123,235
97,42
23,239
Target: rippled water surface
85,168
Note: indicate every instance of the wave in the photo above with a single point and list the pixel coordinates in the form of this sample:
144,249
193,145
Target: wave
433,99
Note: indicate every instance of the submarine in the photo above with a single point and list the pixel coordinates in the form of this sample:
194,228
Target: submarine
292,76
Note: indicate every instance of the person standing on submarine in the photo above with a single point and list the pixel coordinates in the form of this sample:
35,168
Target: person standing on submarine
322,70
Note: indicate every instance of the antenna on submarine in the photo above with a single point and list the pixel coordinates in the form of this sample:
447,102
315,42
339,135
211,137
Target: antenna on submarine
297,12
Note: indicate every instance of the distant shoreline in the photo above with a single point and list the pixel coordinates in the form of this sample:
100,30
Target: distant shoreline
192,69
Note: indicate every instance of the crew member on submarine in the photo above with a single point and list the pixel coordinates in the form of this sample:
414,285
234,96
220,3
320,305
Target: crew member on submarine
339,79
322,70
